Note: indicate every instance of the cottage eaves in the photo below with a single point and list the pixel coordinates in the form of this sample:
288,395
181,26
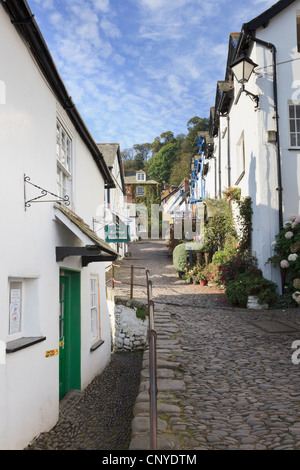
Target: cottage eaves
22,18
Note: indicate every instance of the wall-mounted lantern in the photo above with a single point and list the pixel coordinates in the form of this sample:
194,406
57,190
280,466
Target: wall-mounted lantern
243,68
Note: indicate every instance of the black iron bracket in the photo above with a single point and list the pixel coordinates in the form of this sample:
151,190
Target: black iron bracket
44,193
89,254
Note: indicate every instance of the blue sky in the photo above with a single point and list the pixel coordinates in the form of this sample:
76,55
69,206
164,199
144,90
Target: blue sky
137,68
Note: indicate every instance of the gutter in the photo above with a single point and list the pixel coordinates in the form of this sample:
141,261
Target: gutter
275,94
220,169
228,151
249,38
24,22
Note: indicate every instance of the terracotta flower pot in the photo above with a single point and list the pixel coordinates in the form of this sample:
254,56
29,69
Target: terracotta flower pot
203,283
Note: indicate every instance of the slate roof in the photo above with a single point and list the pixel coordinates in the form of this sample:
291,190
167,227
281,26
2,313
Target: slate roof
109,152
132,180
79,222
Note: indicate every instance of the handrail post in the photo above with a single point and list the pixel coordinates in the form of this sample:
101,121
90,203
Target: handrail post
147,284
113,277
153,379
131,282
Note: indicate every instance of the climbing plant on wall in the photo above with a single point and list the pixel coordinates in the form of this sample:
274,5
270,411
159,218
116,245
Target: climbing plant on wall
245,224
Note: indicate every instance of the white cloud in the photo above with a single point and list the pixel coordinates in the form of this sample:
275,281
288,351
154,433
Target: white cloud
102,5
110,29
137,68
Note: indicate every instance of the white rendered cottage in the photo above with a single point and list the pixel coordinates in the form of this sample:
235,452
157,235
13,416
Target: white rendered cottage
256,124
54,322
116,210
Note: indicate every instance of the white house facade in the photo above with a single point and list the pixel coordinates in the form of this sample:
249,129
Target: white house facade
116,213
256,129
54,322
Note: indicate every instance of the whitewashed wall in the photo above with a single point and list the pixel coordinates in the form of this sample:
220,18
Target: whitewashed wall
250,126
248,137
29,390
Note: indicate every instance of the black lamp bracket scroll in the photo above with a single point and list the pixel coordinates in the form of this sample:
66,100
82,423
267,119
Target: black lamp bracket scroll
43,194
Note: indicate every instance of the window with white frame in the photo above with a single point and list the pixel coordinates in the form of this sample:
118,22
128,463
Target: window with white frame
94,305
64,158
141,176
140,191
294,118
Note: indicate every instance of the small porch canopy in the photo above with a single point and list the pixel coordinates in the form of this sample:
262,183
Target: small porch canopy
95,249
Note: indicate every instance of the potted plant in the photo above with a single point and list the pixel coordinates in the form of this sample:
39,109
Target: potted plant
193,274
203,276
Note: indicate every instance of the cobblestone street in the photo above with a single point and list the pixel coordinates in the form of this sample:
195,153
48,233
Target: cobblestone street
225,376
227,373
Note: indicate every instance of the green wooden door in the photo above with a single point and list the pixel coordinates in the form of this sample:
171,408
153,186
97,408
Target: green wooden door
69,332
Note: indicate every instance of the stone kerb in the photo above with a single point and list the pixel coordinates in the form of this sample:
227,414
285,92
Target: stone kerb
128,332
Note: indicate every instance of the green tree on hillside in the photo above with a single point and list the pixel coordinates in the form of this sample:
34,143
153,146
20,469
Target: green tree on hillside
164,139
136,158
188,148
161,164
170,155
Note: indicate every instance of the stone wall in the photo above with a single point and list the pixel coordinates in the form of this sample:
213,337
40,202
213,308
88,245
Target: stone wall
128,332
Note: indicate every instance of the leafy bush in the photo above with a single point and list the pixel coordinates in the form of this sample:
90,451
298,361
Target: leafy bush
230,270
180,257
236,294
141,314
237,291
229,251
287,255
220,224
204,274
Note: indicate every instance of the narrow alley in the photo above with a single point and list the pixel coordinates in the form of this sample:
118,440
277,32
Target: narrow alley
226,379
237,387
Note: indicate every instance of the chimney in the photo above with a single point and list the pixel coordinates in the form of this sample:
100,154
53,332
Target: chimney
186,184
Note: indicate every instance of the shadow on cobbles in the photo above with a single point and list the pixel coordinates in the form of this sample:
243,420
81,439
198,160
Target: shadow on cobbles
99,418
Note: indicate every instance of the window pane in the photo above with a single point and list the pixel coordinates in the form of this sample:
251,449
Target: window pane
292,125
297,111
94,324
293,140
94,309
64,147
292,111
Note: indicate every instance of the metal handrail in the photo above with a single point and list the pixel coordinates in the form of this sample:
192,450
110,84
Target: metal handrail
152,338
131,283
152,366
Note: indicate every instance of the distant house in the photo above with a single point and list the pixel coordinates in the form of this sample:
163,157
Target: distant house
139,189
255,124
176,202
54,322
141,193
116,213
